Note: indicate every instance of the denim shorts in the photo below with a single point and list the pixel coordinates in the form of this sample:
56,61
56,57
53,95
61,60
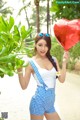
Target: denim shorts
43,101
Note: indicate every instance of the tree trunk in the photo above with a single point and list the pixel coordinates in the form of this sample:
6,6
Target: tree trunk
37,15
26,17
48,16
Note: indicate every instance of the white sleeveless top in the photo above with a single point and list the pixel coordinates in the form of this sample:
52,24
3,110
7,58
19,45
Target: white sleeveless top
48,76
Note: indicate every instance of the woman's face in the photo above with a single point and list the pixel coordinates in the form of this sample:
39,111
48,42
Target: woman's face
41,47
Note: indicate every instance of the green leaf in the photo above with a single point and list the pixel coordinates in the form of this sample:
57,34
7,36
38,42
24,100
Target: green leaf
25,33
54,7
6,71
7,58
3,50
3,26
11,23
16,34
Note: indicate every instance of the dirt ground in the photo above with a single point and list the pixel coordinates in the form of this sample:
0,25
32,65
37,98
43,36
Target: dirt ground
15,101
68,97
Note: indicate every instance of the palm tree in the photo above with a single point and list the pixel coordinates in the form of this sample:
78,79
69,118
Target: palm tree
25,6
48,16
36,2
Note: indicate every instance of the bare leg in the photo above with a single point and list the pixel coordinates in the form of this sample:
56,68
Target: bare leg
52,116
36,117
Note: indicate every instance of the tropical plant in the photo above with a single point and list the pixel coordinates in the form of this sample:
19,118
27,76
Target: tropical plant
11,44
48,16
24,8
65,10
40,15
36,2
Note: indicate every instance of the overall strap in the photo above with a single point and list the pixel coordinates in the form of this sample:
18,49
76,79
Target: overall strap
37,73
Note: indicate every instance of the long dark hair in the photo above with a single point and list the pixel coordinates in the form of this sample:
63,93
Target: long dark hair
47,38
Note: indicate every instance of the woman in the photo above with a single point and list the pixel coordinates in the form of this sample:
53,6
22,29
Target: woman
44,68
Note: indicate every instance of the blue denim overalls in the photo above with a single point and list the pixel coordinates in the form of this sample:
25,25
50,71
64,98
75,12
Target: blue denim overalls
44,98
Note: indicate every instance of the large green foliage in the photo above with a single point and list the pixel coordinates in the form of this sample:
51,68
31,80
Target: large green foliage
68,11
11,44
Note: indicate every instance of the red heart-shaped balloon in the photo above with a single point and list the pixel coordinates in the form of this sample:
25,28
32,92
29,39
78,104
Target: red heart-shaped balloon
67,32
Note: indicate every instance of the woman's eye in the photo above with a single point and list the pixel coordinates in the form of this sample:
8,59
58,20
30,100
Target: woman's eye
39,45
43,45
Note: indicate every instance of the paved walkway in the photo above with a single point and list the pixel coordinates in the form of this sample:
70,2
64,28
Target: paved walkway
15,101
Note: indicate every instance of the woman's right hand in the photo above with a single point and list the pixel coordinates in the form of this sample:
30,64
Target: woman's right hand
20,70
66,56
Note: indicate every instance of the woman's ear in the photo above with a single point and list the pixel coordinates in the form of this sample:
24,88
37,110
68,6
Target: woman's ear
35,46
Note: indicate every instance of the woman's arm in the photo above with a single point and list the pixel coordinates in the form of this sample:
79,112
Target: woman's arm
24,78
62,76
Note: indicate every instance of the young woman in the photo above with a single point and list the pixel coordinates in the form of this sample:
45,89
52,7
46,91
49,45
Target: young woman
44,68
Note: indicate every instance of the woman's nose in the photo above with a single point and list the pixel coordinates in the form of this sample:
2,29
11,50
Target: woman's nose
43,48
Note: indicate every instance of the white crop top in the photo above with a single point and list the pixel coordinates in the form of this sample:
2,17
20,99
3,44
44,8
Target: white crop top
48,76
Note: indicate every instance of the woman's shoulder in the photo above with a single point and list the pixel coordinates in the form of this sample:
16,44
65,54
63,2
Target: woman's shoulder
29,66
32,58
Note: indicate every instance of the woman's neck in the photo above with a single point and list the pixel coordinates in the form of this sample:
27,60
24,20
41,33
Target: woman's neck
40,57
